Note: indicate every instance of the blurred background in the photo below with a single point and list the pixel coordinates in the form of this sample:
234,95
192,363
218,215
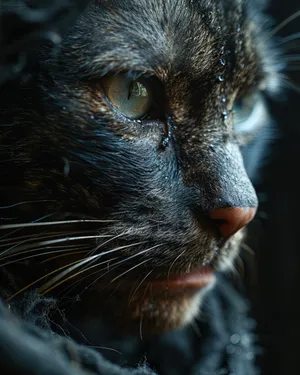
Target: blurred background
274,286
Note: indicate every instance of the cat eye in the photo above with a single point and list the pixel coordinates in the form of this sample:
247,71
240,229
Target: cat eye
249,112
131,97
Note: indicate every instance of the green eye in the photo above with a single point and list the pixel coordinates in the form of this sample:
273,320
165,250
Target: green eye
249,113
131,97
243,108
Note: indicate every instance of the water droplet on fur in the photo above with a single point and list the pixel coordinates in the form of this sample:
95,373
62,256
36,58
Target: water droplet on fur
238,28
222,62
230,349
225,114
220,78
235,338
238,351
224,100
250,356
92,117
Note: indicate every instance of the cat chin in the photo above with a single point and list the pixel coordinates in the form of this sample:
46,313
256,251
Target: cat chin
159,306
154,311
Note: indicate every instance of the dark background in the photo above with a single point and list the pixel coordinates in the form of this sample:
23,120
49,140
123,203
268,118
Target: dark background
275,290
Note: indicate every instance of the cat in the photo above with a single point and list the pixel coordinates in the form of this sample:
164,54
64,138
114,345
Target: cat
121,160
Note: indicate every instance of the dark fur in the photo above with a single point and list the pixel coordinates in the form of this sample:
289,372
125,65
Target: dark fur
158,178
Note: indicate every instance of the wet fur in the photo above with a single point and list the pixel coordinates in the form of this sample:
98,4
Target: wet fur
156,179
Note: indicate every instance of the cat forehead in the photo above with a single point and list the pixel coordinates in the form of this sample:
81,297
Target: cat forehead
146,34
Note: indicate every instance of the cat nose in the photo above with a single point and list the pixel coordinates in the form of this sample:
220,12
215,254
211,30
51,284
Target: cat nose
231,219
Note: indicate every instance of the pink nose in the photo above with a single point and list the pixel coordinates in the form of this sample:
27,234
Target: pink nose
232,219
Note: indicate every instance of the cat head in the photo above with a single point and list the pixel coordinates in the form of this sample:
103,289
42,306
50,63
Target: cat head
128,138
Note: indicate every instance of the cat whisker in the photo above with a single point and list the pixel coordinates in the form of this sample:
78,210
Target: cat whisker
104,348
84,261
290,38
285,22
139,285
63,255
291,58
115,265
43,290
62,222
90,274
69,288
106,242
18,249
20,227
26,202
196,329
141,328
41,278
40,236
139,253
37,237
132,268
240,267
124,233
288,84
174,261
248,249
42,254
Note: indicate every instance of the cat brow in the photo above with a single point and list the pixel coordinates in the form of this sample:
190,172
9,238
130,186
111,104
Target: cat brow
102,65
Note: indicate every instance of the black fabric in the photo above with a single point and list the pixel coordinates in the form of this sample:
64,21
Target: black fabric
221,343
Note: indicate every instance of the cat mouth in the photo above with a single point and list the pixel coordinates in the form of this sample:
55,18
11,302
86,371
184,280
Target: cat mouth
196,279
162,304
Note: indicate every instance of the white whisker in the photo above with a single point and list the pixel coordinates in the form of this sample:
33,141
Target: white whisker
174,261
84,261
136,289
18,249
42,254
115,265
141,328
284,23
291,58
39,236
290,38
62,222
35,222
132,268
25,202
45,290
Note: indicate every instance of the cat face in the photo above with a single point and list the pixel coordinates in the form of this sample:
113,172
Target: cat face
135,123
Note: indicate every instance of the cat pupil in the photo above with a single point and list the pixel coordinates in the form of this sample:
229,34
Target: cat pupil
137,89
129,97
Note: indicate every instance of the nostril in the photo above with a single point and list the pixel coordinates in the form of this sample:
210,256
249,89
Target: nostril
231,219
